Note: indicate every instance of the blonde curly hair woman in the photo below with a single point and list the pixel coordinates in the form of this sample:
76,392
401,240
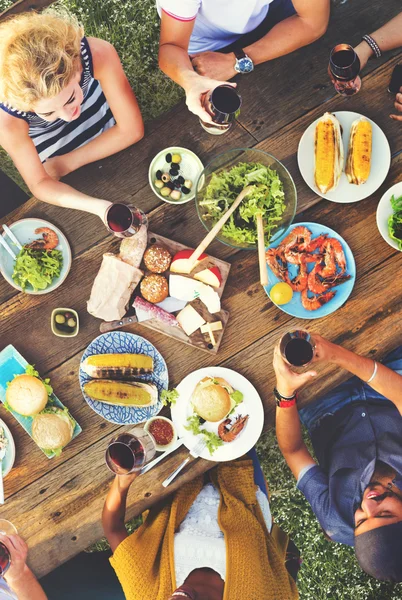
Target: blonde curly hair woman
64,102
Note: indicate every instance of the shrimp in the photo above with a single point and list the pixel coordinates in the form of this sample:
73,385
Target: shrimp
316,301
228,434
277,263
299,237
337,249
318,284
49,240
295,256
317,242
299,283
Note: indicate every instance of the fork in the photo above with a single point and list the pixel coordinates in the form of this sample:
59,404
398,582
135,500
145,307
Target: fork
194,452
12,237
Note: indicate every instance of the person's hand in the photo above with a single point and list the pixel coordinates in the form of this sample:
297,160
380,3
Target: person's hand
398,106
287,381
57,167
19,552
214,65
325,351
196,88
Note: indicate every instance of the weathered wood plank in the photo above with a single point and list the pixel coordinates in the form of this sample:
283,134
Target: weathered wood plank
22,6
279,91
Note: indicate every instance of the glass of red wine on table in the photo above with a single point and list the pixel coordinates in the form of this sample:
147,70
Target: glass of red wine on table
6,528
124,220
223,104
344,69
297,348
129,452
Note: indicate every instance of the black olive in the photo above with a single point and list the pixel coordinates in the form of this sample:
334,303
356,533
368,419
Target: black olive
202,421
159,174
174,172
170,185
168,157
185,189
180,179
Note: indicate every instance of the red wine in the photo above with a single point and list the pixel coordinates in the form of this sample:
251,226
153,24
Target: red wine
5,558
225,99
343,58
119,217
121,456
298,352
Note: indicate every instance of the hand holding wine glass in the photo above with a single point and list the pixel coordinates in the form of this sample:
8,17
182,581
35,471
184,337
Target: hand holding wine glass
196,89
17,551
287,381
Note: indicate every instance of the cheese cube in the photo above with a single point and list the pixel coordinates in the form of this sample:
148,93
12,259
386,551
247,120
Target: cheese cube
215,326
190,320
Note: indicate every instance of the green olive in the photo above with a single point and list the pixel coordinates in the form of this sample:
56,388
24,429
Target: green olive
159,184
61,319
165,191
176,158
175,195
71,323
188,184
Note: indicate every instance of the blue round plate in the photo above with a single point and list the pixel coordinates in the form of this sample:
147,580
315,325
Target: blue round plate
120,342
24,231
343,291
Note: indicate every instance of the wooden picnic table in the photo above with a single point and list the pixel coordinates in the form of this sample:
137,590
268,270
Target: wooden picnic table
56,504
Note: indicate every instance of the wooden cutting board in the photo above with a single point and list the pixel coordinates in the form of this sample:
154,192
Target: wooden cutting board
197,339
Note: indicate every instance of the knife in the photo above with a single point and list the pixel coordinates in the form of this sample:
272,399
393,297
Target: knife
149,466
106,326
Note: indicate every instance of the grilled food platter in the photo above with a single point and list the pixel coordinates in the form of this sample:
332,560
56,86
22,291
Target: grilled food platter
185,306
344,156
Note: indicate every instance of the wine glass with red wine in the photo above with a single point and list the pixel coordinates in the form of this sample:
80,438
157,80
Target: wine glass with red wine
124,220
344,69
297,348
223,104
5,559
129,452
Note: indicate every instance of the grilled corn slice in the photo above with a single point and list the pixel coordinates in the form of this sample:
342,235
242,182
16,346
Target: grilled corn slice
359,154
328,153
122,393
117,366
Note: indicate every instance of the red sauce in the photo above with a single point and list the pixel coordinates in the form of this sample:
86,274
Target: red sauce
161,431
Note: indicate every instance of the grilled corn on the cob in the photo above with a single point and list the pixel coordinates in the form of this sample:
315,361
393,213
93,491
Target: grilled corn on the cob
328,153
122,393
359,154
117,366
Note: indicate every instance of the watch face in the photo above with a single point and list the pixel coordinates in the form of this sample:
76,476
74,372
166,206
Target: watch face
245,65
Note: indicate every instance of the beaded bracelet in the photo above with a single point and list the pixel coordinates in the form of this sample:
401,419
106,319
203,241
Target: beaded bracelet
373,45
374,373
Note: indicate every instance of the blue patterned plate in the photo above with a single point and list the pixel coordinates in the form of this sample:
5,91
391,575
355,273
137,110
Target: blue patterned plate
120,342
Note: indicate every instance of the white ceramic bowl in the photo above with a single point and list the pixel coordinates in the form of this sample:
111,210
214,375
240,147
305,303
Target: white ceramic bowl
384,211
190,168
174,439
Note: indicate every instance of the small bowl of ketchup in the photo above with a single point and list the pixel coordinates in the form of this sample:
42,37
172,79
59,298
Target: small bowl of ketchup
163,432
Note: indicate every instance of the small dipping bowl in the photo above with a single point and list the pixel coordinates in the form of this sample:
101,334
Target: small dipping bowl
190,168
54,325
161,447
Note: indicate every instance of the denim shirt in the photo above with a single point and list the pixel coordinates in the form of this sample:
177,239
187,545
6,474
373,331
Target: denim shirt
348,444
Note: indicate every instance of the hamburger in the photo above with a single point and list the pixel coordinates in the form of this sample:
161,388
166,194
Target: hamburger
212,400
53,429
27,395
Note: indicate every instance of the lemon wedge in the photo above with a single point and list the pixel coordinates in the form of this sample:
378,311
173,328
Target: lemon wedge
281,293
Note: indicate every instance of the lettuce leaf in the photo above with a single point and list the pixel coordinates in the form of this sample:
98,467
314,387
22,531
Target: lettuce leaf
37,268
169,396
395,221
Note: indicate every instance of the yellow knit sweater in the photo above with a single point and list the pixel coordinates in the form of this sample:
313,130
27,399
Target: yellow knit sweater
255,559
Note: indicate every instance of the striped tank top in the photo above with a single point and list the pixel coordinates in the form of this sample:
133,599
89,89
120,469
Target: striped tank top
60,137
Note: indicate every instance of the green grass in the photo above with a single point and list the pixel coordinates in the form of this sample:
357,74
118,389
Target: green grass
329,570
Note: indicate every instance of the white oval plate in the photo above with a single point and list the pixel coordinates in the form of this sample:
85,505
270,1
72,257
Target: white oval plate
24,231
251,405
8,460
384,211
346,192
190,168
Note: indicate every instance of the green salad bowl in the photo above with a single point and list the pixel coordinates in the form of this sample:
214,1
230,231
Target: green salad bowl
218,186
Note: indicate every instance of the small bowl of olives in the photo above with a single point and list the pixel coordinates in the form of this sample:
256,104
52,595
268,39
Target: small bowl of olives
65,322
173,175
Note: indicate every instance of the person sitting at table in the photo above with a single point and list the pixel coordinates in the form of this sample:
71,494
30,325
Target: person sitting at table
19,583
204,43
65,102
356,489
180,550
387,37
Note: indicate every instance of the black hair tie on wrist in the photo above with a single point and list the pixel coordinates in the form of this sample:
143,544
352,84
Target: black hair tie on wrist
373,45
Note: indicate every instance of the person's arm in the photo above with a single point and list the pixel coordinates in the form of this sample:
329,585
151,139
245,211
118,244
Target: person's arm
114,510
288,429
299,30
388,37
19,576
129,127
175,62
386,382
15,140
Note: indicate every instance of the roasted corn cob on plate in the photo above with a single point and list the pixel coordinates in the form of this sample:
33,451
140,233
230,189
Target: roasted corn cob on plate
121,377
344,156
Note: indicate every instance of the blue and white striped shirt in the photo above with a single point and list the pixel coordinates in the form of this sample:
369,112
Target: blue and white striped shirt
60,137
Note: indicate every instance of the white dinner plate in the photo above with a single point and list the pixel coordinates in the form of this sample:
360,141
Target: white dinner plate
346,192
251,405
384,211
9,458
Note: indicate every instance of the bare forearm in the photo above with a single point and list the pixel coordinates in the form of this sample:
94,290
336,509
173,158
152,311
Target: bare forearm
176,64
285,37
107,143
114,510
61,194
27,586
288,430
389,36
386,382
